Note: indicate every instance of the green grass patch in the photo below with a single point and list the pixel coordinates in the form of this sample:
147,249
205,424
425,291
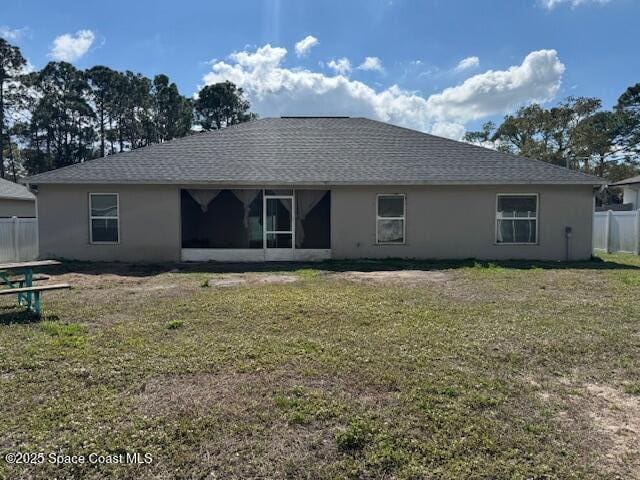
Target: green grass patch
63,334
631,279
356,435
633,388
487,268
175,324
308,273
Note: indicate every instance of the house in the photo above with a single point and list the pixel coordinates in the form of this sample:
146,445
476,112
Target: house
307,188
16,200
630,191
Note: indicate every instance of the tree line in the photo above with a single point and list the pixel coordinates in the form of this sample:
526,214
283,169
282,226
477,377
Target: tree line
61,115
577,133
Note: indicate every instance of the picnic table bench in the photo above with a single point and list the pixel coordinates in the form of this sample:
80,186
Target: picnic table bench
18,277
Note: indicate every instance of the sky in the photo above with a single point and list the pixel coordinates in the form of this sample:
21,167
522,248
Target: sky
440,66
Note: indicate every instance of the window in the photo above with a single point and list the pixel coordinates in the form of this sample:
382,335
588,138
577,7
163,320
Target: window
390,219
104,218
517,218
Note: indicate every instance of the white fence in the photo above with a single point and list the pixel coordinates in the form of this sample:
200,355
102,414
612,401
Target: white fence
617,231
18,239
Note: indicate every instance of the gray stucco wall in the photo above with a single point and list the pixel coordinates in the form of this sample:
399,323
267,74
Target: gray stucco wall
17,208
149,223
441,222
445,222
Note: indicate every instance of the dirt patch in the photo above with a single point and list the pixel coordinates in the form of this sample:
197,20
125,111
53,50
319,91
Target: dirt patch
235,279
408,277
275,278
152,288
88,280
616,416
227,282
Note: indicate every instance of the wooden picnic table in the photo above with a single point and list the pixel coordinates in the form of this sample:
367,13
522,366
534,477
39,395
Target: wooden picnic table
18,278
31,264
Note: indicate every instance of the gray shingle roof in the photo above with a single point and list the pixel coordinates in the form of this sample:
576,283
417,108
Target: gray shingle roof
315,151
14,191
626,181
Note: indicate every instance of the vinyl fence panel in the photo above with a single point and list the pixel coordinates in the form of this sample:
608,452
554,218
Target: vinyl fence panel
18,239
617,231
600,220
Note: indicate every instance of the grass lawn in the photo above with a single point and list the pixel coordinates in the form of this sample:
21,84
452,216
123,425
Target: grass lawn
336,370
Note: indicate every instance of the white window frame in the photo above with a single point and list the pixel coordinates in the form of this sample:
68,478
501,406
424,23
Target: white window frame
102,217
536,218
403,217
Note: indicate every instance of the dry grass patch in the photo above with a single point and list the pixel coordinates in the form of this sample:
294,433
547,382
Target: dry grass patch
267,424
238,391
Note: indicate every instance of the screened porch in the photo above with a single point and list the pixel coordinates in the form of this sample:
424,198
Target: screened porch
255,224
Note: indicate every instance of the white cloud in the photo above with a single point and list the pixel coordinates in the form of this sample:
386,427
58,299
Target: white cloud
306,44
341,66
275,90
371,63
68,47
537,79
448,129
551,4
467,63
12,34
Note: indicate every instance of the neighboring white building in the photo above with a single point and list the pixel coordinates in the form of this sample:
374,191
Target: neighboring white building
630,191
16,200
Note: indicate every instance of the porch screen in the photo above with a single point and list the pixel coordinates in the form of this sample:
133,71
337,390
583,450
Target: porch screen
313,219
221,218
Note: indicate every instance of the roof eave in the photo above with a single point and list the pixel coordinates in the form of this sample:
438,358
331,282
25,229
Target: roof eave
593,182
24,199
623,184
